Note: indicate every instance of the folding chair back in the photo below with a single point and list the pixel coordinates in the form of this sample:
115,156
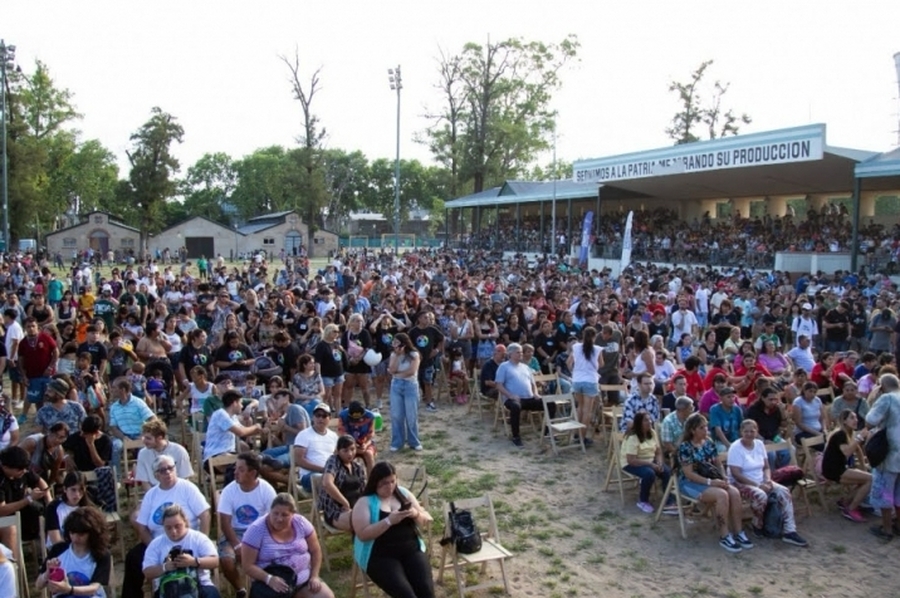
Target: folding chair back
15,521
811,478
415,479
215,467
323,530
563,423
482,509
614,473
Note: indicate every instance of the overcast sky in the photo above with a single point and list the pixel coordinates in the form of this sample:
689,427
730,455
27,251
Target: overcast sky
215,66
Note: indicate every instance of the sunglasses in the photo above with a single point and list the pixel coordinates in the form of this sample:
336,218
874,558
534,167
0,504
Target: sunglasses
166,469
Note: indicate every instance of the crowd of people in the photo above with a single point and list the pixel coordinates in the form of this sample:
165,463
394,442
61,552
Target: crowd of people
659,235
276,364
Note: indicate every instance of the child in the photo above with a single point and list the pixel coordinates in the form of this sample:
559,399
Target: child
459,378
250,391
359,422
138,381
83,368
197,390
66,363
120,356
156,390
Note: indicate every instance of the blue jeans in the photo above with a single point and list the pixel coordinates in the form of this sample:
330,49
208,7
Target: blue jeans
281,453
779,458
35,392
648,475
404,413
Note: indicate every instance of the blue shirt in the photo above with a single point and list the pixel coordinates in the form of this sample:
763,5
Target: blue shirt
728,421
130,417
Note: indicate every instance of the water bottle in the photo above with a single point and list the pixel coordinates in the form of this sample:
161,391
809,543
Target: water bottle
379,421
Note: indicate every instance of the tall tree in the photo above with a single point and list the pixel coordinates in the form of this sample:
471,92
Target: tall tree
697,110
207,187
346,176
496,114
309,159
153,167
266,182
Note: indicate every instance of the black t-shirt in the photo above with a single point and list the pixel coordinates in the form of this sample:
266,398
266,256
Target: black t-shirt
76,445
286,357
330,359
240,353
769,424
426,340
517,335
488,372
724,332
118,363
834,461
97,351
191,356
835,317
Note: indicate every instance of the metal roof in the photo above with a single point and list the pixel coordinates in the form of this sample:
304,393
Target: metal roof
273,215
513,192
881,165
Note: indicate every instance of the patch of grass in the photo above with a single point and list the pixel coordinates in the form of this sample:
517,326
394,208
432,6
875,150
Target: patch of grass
584,544
701,590
755,590
839,549
484,483
640,565
606,514
545,551
598,529
542,535
565,533
596,559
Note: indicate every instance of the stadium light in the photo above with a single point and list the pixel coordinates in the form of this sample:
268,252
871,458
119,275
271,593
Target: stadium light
396,82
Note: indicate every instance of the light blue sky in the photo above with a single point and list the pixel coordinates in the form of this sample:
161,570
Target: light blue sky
215,66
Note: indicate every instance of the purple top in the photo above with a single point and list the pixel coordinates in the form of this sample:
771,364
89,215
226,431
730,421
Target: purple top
293,553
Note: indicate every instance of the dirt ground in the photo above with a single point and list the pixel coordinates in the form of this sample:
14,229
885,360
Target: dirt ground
572,539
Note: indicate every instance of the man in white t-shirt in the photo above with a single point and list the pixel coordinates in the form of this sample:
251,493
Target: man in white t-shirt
155,436
314,445
224,427
243,501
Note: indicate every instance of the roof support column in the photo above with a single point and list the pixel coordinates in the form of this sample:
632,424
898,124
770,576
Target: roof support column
518,245
541,236
569,224
854,236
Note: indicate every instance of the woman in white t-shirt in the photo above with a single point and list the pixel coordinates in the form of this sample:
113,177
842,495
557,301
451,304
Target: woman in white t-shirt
748,470
9,426
81,565
585,359
181,548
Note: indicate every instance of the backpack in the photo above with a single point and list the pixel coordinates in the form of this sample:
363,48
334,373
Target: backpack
179,584
773,518
463,531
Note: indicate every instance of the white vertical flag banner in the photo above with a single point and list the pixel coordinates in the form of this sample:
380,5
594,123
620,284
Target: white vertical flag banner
626,243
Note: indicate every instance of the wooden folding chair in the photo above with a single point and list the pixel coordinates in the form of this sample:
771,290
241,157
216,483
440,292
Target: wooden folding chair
682,502
15,521
323,530
216,466
478,402
618,389
609,421
811,479
113,519
614,473
415,479
294,487
482,509
564,423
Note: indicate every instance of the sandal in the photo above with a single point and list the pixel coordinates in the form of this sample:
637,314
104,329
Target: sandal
880,533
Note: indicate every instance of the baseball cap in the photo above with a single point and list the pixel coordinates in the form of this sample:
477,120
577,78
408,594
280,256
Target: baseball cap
323,407
806,306
59,386
106,288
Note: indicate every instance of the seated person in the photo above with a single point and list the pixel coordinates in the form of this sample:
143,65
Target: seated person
640,400
181,548
342,484
641,456
748,468
768,413
225,428
842,453
242,502
359,422
83,557
487,385
154,434
851,400
515,383
314,445
90,447
21,491
126,416
45,452
725,420
74,495
672,426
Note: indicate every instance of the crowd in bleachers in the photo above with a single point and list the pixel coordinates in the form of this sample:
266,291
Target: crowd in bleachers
261,366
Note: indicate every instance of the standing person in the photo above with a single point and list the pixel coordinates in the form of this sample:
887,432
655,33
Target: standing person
585,360
330,356
515,383
885,495
38,355
403,369
14,335
428,340
355,342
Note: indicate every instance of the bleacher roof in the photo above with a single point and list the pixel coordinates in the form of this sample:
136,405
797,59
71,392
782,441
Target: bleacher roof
882,165
513,192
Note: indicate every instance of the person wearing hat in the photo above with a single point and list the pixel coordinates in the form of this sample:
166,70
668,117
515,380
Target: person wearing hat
314,445
359,422
805,324
106,306
725,419
58,408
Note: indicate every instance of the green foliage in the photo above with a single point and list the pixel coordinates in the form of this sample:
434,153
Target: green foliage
207,186
153,167
696,111
496,114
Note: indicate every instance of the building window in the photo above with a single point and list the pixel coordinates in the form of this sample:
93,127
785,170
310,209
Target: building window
127,242
70,242
318,240
269,241
98,219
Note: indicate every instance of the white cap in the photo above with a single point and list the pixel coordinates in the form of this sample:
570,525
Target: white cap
806,306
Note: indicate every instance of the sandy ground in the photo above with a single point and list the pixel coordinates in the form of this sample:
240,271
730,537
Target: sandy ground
572,539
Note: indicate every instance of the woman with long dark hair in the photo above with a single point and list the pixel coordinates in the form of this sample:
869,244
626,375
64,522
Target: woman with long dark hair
81,564
585,359
404,368
73,496
387,546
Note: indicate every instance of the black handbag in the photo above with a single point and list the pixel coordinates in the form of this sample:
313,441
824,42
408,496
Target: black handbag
708,470
463,531
877,447
259,589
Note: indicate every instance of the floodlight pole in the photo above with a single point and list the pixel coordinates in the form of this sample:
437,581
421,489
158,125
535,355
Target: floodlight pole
397,84
7,55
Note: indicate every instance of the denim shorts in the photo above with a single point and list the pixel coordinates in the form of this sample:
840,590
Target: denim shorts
426,375
588,389
690,489
329,382
223,544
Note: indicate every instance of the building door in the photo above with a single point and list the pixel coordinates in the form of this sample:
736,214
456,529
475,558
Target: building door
292,243
200,246
100,242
